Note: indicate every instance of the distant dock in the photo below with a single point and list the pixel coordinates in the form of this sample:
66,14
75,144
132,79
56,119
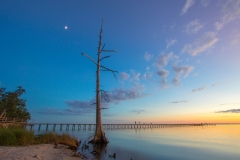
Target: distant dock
61,126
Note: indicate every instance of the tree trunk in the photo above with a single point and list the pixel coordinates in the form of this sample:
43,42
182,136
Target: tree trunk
99,136
3,113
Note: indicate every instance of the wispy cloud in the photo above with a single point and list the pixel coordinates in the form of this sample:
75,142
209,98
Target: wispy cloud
214,84
198,89
235,38
222,82
170,42
219,25
179,101
230,12
144,76
187,5
138,111
120,94
148,75
163,74
205,3
115,96
67,111
195,74
172,26
124,75
230,103
147,56
179,71
193,27
135,75
229,111
50,111
107,115
81,104
201,45
163,59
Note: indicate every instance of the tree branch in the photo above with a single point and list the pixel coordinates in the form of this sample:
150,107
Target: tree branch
93,104
104,57
108,51
89,57
103,47
104,108
107,69
104,96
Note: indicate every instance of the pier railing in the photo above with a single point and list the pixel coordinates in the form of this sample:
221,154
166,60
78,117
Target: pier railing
107,126
6,121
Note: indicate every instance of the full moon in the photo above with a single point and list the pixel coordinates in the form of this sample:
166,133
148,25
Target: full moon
66,27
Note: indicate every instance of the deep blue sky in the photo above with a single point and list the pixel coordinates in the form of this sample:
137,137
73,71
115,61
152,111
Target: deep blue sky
178,60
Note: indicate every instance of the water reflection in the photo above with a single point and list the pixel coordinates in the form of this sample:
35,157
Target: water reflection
170,143
99,150
137,130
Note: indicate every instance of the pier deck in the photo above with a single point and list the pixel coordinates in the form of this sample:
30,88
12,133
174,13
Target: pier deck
108,126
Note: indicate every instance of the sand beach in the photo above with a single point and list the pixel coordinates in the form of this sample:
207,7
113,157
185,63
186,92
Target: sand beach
37,152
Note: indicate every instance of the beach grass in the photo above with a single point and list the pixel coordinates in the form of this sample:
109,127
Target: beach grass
51,137
15,136
7,138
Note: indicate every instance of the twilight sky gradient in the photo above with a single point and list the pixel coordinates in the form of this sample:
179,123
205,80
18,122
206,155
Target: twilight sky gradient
178,60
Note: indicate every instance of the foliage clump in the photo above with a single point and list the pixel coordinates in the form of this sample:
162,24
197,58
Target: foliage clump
13,105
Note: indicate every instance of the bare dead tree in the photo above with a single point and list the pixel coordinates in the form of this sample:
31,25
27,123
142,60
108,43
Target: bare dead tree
100,136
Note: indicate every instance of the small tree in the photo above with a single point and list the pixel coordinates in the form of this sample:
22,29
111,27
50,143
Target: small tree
99,136
13,105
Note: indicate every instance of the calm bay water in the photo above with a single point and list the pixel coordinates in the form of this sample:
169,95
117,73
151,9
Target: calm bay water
221,142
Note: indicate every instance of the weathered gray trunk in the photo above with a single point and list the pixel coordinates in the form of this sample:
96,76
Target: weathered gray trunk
99,136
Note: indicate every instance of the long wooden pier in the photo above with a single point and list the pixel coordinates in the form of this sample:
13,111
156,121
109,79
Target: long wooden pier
108,126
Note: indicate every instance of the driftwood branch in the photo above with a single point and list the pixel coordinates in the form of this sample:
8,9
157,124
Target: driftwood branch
89,57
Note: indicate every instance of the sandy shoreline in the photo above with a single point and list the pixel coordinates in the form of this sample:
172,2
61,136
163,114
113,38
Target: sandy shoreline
37,152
